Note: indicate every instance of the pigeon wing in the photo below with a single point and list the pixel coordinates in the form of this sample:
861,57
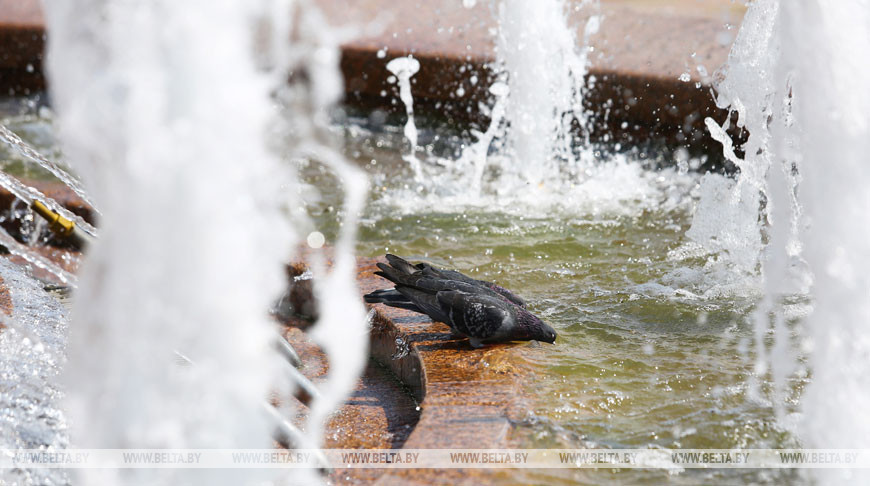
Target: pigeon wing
417,279
430,282
426,302
427,269
478,316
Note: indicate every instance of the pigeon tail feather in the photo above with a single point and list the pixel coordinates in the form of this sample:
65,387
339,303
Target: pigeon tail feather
390,273
401,264
392,298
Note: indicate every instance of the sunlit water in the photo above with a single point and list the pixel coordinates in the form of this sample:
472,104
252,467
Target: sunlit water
655,333
170,113
651,275
661,282
32,355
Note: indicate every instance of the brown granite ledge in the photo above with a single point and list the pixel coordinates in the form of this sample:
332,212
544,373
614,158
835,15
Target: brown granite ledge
423,389
379,414
640,52
638,57
22,39
468,397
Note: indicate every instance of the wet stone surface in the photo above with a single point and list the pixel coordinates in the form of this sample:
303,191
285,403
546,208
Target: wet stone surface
423,388
469,398
379,414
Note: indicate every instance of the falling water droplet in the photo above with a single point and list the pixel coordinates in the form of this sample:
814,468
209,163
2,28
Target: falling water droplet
316,239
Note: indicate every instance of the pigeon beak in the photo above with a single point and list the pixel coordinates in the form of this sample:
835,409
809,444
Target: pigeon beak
548,335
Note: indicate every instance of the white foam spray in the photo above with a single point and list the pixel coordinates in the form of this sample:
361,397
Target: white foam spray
167,110
32,356
797,78
532,153
824,52
537,50
403,68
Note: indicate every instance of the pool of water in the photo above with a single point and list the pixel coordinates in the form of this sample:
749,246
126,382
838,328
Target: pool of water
654,332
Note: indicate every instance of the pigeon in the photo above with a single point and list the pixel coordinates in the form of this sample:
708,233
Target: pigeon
480,310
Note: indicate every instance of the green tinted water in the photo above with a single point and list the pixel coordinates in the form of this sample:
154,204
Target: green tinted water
28,118
652,350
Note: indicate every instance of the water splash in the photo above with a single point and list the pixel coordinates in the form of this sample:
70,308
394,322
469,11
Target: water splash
476,154
536,150
538,53
29,194
32,231
732,223
171,139
14,141
824,48
403,68
32,356
307,105
36,260
795,81
751,226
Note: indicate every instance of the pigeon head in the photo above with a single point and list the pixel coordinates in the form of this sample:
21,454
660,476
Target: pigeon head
532,328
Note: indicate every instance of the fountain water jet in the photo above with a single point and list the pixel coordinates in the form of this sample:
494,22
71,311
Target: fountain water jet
164,109
14,141
824,46
403,68
157,124
537,52
537,143
797,81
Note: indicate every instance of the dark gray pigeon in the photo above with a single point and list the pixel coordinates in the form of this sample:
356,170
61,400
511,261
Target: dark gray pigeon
480,310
